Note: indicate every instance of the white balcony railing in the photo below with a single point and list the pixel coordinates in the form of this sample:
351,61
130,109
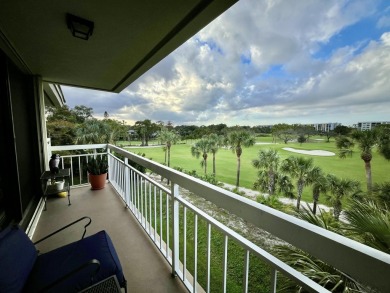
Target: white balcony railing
161,211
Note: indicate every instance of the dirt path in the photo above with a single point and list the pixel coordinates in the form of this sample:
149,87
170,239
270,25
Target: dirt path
285,200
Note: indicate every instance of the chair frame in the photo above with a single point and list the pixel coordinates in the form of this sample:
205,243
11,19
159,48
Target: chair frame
92,262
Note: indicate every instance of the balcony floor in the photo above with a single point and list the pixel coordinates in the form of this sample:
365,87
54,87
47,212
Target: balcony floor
144,267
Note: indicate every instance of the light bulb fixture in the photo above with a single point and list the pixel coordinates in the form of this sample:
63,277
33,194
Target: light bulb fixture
80,27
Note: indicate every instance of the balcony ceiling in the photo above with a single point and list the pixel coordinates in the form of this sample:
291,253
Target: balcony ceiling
129,37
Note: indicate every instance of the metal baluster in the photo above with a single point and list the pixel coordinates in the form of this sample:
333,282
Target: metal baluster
195,281
246,271
225,254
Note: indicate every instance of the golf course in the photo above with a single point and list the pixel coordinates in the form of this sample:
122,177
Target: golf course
226,161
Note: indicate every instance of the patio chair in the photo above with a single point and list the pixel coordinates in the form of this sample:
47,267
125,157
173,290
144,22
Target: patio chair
69,268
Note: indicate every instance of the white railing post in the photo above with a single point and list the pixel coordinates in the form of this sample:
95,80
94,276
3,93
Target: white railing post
274,276
109,160
175,228
49,152
127,183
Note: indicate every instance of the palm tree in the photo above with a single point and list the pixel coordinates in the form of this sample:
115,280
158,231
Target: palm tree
268,162
370,223
340,188
366,140
284,185
201,147
301,169
315,269
345,145
324,219
94,131
319,184
384,141
382,192
236,140
168,138
216,141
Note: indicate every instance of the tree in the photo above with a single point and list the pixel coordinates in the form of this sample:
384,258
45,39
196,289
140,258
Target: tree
323,219
201,147
168,138
342,130
369,223
82,113
328,134
216,141
145,129
61,132
382,192
319,184
345,145
339,189
284,132
63,113
284,185
186,131
301,139
94,131
301,169
118,131
61,125
384,140
236,140
366,140
304,130
267,162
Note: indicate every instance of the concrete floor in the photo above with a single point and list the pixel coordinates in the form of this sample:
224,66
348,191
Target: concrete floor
144,267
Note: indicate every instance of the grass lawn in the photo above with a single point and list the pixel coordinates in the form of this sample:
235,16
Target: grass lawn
226,161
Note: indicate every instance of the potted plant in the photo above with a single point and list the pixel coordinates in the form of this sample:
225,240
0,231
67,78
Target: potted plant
97,172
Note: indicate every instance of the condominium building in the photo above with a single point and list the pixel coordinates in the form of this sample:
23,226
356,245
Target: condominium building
369,125
325,127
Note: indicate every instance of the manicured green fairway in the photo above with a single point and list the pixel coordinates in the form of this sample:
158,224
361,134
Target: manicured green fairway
226,161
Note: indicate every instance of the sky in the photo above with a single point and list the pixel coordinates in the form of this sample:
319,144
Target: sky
264,62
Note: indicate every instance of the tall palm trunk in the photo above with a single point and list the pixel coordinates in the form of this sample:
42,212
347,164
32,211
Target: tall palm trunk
337,210
316,195
238,171
205,163
367,166
300,190
214,163
238,152
271,182
169,155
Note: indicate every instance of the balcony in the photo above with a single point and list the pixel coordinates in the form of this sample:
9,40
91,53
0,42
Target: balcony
155,230
144,267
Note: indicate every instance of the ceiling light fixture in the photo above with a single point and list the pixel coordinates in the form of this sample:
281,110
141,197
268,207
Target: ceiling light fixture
80,28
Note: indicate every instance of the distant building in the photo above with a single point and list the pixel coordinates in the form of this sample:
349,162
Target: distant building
369,125
325,127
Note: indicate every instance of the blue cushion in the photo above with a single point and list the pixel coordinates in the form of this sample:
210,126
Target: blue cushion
57,263
17,258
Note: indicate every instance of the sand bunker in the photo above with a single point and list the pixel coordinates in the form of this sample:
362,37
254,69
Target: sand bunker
311,152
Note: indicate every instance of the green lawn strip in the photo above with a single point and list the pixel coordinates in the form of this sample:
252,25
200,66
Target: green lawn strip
259,272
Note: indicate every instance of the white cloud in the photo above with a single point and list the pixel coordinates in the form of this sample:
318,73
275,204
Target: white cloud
255,63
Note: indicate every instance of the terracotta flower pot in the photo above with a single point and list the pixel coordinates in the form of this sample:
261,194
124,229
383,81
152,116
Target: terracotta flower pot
97,181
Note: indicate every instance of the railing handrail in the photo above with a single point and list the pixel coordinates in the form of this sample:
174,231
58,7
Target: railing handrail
363,263
78,147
